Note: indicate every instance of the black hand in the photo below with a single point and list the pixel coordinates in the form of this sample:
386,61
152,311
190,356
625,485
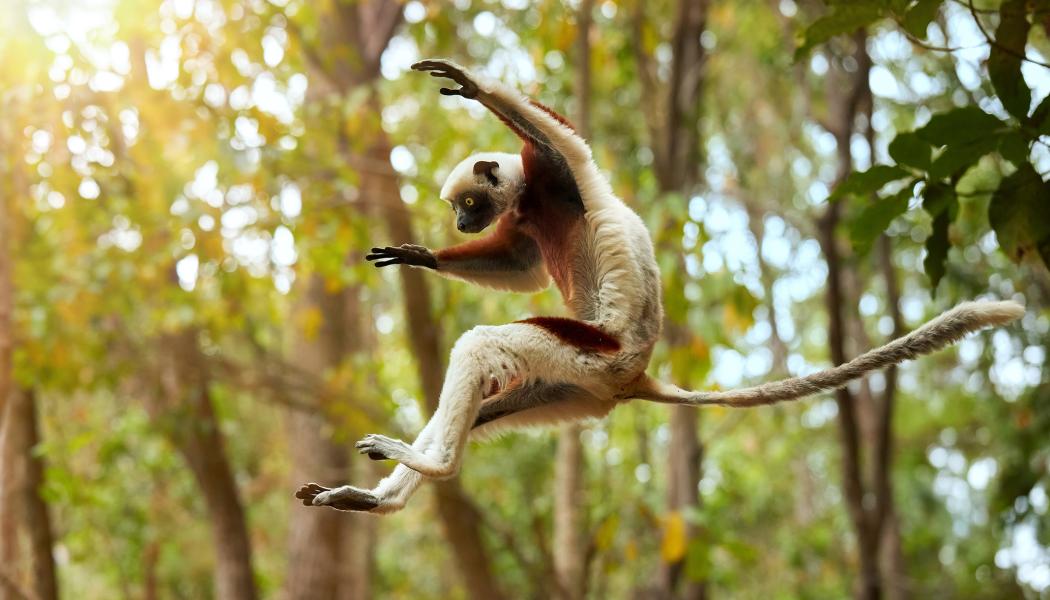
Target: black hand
450,70
405,254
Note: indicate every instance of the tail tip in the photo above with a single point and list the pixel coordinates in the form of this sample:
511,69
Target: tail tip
995,312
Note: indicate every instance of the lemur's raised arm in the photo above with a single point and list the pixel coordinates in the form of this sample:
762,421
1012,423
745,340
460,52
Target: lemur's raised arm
556,215
505,102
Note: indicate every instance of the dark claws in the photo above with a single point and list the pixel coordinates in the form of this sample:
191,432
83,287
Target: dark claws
408,254
357,500
308,492
448,70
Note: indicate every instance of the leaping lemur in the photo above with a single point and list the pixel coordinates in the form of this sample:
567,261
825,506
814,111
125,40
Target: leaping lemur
557,218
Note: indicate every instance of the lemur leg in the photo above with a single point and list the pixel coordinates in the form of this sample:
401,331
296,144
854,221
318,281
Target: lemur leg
389,495
515,351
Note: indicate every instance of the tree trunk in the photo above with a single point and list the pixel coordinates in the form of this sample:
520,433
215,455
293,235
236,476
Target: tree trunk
25,525
198,438
36,514
568,514
569,494
459,518
320,562
846,98
7,342
368,27
12,478
894,571
675,140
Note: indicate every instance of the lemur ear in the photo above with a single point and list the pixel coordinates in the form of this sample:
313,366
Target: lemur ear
488,169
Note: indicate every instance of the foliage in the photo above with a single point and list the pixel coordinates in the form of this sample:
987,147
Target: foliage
960,137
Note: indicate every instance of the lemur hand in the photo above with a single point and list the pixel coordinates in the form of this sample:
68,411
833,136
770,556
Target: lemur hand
405,254
450,70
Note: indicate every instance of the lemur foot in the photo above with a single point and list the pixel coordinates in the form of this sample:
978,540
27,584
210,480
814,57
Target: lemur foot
380,447
341,498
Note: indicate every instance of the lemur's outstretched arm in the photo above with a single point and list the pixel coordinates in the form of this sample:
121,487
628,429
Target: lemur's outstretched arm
504,260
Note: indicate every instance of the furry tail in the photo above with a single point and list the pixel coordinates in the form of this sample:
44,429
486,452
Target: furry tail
942,331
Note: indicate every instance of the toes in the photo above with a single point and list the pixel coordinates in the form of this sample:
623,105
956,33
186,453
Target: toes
371,450
309,492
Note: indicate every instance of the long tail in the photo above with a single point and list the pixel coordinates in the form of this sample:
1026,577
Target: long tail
942,331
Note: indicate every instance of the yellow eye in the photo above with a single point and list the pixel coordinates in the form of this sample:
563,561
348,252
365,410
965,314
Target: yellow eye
469,202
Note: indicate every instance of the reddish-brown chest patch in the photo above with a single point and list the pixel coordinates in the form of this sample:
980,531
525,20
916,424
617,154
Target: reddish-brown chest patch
577,333
551,212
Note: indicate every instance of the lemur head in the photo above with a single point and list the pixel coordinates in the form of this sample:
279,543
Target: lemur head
482,187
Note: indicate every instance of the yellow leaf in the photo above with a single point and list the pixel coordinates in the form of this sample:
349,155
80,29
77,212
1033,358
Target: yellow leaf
630,551
310,320
700,348
734,321
332,285
603,538
673,545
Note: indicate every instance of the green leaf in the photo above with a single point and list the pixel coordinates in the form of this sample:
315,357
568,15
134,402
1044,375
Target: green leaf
1014,147
909,149
940,202
936,197
918,17
1004,59
1018,215
959,125
1040,119
844,18
862,183
957,158
875,218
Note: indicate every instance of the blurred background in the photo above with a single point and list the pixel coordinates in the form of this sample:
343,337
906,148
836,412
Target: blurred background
188,330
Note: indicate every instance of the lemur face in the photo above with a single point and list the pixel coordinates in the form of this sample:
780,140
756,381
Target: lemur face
475,210
481,188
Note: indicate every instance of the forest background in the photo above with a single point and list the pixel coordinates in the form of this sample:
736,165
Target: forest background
188,330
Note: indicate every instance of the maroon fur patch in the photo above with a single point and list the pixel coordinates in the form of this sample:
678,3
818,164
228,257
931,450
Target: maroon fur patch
549,216
576,333
499,242
550,111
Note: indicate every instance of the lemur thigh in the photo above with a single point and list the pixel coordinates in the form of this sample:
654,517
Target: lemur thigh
484,356
536,403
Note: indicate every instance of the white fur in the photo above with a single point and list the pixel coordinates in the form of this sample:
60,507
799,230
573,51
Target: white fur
462,177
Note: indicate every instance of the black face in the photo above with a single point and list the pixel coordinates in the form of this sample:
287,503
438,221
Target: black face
474,211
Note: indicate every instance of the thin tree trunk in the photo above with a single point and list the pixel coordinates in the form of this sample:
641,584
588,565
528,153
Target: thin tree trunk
569,495
369,28
12,477
25,525
37,516
459,517
7,342
320,562
894,571
675,140
568,514
184,385
757,226
845,107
